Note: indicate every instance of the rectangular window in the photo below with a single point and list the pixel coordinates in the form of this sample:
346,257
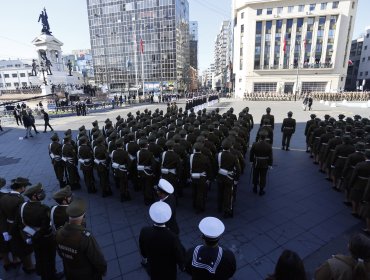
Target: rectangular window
24,84
312,7
269,11
363,59
8,84
22,75
365,48
242,15
14,75
367,35
361,73
16,84
279,10
1,85
366,73
301,8
242,28
323,6
368,58
335,4
290,9
259,12
6,75
264,87
241,64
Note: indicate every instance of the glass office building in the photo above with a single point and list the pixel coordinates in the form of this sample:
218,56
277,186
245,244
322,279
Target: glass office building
133,41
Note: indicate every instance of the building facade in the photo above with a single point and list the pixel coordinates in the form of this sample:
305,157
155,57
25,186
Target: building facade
292,46
354,64
364,68
16,74
221,56
136,42
193,43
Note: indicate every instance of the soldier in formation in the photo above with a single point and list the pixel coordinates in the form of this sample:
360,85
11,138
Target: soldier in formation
183,147
342,148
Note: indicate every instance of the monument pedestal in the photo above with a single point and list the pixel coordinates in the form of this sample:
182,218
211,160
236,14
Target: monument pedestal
45,90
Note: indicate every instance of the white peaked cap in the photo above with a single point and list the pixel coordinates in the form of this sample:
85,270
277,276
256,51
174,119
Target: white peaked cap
160,212
211,227
165,186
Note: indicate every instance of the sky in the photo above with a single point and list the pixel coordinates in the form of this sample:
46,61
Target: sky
68,22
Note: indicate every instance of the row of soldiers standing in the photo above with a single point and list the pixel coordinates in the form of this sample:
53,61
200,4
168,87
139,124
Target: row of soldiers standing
341,148
30,226
185,148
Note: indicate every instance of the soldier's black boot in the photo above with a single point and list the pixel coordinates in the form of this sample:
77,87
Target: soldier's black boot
255,189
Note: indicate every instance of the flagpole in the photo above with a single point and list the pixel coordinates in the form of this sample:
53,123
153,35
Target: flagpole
142,58
297,80
135,57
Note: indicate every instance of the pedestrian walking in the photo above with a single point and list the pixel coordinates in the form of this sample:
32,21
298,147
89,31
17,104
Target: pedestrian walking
32,121
27,124
46,120
17,115
310,101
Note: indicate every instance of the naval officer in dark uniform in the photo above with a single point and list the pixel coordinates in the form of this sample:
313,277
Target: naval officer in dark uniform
160,248
81,254
288,129
165,193
210,261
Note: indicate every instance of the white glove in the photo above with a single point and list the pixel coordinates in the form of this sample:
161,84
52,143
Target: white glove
7,236
29,241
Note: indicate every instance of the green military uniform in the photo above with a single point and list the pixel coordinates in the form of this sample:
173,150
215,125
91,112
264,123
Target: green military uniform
288,129
9,205
33,221
121,163
69,156
200,173
82,257
261,158
55,153
86,159
100,159
58,214
145,166
228,172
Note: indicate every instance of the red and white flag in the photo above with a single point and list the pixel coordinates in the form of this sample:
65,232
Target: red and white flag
141,45
284,47
350,62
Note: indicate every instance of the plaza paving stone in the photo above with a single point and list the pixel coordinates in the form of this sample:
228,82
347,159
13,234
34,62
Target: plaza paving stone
299,211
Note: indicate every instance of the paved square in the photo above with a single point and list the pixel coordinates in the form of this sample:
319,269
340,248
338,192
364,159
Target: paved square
299,211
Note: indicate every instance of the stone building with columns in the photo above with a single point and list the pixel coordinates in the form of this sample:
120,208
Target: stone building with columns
292,46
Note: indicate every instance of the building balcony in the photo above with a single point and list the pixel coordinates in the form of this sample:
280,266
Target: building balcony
306,66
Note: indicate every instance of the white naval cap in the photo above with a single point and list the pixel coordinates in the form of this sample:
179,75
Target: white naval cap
211,227
165,186
160,212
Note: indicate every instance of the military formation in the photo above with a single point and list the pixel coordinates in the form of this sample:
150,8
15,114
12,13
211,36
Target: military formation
30,227
326,96
341,148
160,155
186,148
340,96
